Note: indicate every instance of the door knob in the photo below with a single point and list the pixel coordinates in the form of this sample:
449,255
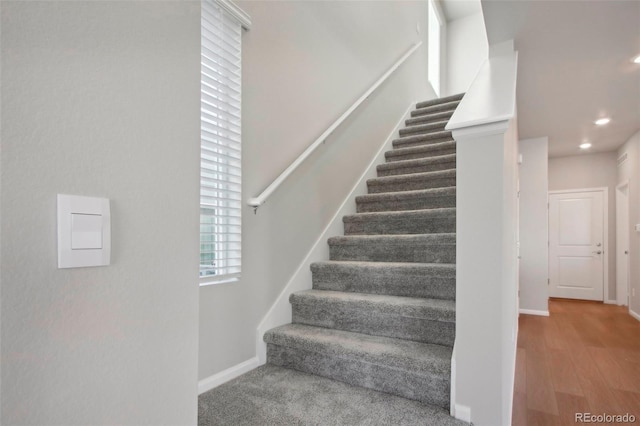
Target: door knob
599,244
598,252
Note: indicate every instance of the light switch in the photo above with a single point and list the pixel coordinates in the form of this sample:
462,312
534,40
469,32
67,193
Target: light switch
86,231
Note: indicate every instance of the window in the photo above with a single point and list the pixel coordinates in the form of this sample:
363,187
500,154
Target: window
220,153
435,24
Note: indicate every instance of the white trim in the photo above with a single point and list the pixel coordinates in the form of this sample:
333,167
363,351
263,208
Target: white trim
570,191
633,314
463,413
280,311
452,394
605,228
234,10
623,299
610,302
481,130
224,376
260,199
534,312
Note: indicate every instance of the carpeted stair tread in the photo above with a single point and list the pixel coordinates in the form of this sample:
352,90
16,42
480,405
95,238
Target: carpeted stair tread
434,280
423,139
424,128
272,395
421,151
413,181
407,200
418,165
439,101
426,221
399,353
411,318
447,106
414,370
428,118
420,248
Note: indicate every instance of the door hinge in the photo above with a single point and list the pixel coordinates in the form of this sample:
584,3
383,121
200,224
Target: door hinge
548,281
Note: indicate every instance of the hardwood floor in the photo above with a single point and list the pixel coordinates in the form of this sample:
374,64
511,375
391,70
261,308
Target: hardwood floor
583,358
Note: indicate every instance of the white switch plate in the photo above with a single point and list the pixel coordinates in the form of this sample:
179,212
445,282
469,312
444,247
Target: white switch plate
637,227
84,231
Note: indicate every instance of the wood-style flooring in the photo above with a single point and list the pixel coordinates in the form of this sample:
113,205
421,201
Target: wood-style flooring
584,357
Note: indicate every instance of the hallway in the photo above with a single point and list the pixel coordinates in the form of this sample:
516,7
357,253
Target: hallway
585,357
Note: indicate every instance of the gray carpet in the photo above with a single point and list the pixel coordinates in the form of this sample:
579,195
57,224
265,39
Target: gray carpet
271,395
376,331
389,282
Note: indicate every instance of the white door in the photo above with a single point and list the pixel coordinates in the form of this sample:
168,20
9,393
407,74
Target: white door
622,243
576,245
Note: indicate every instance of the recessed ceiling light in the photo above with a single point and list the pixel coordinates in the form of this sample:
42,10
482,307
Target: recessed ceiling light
636,60
602,121
585,145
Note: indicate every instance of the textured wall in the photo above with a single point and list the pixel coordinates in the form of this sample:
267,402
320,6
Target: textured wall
590,171
304,64
534,250
100,99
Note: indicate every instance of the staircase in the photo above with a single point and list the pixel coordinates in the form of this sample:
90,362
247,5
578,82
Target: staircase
381,313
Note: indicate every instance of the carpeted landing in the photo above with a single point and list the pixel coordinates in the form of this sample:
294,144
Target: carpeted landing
271,395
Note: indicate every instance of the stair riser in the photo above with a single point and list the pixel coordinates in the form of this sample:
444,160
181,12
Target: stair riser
439,101
410,185
364,319
380,252
430,118
429,389
423,129
433,109
423,203
433,167
399,226
410,143
375,283
413,156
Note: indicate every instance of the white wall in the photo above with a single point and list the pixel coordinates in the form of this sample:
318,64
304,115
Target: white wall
100,99
304,64
486,249
630,170
591,171
534,256
486,282
467,49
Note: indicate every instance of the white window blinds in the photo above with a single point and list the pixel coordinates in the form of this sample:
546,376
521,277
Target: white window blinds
220,178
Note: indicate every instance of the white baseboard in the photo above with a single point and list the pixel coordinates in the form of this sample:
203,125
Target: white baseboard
280,311
635,315
231,373
463,413
534,312
452,396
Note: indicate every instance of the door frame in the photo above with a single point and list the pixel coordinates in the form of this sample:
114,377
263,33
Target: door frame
619,187
605,229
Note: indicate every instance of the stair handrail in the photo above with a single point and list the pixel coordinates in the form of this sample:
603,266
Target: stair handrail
260,199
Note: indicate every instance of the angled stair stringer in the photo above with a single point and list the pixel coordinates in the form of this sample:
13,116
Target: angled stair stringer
381,311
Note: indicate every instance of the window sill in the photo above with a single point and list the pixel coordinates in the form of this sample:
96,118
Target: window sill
204,282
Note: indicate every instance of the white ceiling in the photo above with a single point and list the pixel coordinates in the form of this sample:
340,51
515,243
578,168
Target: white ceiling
456,9
574,67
